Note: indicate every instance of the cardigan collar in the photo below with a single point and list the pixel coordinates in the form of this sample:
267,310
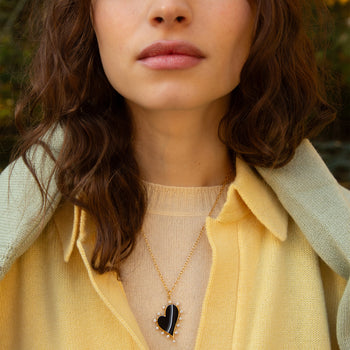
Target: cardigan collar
258,198
248,187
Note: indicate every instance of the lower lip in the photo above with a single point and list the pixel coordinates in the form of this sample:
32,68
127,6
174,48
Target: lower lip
170,62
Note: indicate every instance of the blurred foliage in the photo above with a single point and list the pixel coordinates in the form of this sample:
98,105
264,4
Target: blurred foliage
338,61
14,55
331,3
15,52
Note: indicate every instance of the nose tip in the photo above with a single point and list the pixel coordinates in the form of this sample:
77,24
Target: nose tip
169,13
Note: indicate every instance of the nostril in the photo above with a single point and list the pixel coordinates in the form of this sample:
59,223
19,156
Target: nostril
180,19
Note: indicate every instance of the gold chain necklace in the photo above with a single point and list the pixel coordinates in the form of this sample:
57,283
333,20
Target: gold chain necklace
168,324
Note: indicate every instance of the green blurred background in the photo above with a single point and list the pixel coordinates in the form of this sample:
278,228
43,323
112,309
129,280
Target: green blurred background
333,143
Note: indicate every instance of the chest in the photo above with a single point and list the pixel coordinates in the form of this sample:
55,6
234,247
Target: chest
171,243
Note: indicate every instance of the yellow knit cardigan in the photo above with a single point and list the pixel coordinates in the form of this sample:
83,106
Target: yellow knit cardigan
268,289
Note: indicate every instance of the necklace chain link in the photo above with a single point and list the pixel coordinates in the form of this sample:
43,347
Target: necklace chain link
194,246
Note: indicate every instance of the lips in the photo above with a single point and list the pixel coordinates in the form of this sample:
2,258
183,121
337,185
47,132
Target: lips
170,55
165,48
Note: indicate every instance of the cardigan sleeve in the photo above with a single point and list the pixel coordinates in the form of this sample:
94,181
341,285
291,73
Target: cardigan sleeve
321,208
22,216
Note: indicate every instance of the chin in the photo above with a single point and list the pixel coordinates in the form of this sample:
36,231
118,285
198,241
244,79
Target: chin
168,101
169,104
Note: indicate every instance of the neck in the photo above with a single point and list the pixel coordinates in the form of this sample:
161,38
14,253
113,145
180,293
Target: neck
180,148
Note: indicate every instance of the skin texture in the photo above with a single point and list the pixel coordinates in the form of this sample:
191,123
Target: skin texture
176,112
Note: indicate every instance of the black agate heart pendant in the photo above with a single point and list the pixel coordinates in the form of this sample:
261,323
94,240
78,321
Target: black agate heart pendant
168,324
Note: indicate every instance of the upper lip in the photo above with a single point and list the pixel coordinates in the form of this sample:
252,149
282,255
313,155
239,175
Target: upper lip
164,47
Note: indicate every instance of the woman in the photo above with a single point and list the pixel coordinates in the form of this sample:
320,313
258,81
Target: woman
159,109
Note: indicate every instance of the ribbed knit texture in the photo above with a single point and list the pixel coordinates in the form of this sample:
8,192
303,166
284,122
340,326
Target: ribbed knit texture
174,218
321,208
256,284
21,204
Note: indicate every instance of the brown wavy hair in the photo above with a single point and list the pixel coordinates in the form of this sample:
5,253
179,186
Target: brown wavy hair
280,101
